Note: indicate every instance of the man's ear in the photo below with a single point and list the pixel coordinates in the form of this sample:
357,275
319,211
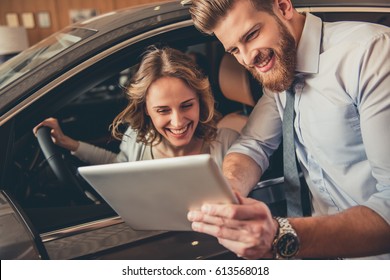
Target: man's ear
284,9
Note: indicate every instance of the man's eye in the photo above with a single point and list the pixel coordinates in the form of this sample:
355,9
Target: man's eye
252,35
233,51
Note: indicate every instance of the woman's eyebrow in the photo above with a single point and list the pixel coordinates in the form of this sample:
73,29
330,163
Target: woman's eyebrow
191,99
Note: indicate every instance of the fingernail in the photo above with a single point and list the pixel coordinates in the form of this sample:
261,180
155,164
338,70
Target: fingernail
206,208
195,226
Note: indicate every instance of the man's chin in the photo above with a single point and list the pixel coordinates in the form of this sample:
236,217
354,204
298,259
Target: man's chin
270,82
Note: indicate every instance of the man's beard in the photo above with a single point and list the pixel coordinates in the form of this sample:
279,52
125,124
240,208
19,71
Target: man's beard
281,76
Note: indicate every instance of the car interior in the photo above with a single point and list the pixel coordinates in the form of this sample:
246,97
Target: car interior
86,102
85,105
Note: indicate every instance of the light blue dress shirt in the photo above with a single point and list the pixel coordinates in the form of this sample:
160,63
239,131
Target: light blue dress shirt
342,117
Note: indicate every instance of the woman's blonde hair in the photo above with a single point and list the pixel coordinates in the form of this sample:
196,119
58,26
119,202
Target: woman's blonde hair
165,62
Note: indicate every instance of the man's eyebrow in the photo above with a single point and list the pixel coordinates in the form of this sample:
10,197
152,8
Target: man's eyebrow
244,35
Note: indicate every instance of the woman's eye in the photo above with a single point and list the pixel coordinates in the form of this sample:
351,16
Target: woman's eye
163,111
186,106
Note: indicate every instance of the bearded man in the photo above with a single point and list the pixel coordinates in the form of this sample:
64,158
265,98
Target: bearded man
341,125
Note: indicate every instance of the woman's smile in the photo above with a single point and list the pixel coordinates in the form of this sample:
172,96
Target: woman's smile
179,132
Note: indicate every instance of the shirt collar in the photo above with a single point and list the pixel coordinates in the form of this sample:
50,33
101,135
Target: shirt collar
308,53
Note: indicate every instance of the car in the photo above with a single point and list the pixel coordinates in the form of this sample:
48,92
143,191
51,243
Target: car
78,76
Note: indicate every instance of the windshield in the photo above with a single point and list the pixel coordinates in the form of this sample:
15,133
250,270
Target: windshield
40,53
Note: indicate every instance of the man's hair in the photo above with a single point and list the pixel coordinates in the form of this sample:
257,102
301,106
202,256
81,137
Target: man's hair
166,62
206,14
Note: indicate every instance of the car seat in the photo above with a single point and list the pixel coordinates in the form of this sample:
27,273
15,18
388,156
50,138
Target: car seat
236,84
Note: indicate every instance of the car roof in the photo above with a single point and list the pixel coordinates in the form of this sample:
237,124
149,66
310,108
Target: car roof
105,31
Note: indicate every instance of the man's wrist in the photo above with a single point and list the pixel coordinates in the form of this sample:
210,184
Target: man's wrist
272,248
286,243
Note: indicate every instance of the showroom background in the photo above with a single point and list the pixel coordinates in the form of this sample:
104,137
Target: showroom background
41,18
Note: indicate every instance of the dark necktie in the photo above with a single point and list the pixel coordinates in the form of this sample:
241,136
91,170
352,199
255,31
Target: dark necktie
296,197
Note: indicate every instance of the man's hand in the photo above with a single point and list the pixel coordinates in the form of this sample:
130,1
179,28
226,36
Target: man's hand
246,229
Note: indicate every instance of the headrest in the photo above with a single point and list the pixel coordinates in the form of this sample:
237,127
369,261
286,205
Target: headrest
234,81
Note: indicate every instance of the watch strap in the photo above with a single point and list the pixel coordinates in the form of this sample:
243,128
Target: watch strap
284,228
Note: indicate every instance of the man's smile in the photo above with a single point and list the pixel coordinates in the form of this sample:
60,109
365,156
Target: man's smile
262,61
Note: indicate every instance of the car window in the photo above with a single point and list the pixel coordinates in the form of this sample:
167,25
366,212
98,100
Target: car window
85,105
40,53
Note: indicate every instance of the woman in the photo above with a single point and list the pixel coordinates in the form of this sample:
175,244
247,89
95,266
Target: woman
170,113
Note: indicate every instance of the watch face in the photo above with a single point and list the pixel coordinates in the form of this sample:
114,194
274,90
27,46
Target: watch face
288,245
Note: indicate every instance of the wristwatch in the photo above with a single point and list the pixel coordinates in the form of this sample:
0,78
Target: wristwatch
286,241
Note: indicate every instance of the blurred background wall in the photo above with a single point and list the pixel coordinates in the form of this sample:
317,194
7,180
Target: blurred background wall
44,17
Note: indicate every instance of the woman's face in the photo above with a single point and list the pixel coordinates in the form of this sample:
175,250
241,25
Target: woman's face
174,110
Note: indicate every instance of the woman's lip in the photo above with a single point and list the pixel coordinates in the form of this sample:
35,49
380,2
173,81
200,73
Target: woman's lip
174,131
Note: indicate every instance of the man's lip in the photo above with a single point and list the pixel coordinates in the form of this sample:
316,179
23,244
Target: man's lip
268,65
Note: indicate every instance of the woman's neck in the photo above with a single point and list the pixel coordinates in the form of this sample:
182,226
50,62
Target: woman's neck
164,149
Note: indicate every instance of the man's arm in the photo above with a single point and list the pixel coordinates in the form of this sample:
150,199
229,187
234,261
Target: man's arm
356,232
242,172
248,229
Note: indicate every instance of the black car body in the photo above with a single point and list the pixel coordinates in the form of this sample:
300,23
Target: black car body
78,75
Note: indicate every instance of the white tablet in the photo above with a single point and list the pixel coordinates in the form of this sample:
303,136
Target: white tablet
157,194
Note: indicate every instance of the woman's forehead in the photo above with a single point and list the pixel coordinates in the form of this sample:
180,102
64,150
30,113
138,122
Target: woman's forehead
169,90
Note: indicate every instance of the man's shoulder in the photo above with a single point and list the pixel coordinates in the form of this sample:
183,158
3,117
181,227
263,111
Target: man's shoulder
353,31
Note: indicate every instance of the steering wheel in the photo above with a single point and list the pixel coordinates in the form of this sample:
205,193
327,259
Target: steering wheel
59,167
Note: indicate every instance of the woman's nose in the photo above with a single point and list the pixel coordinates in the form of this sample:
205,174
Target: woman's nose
177,119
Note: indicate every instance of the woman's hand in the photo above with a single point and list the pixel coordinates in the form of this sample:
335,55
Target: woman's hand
246,229
57,135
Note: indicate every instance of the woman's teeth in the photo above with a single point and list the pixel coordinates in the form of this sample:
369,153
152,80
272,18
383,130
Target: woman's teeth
179,131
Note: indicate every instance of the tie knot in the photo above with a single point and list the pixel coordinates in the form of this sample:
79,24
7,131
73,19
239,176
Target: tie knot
297,82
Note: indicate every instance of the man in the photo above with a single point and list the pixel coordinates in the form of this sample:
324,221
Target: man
342,129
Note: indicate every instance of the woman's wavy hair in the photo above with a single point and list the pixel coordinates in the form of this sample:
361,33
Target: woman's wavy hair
206,14
165,62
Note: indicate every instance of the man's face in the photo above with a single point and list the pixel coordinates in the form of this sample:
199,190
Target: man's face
260,42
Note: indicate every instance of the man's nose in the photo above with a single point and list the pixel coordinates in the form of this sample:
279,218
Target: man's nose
247,57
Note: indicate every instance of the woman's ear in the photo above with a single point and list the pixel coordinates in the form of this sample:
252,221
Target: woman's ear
146,110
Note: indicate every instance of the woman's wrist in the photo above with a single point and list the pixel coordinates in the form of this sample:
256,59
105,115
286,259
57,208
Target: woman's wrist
71,144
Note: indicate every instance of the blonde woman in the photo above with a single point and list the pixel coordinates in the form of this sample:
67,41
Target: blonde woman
170,113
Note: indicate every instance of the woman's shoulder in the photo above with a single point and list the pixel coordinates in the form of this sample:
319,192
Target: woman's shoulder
130,135
227,132
129,138
225,138
130,148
